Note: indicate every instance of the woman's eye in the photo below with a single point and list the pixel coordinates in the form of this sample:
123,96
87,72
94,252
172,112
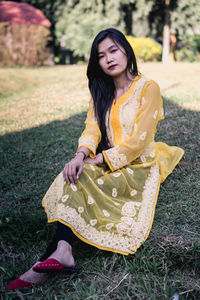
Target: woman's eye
113,50
100,56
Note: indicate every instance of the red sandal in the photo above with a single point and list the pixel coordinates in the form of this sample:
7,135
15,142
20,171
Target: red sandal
19,284
53,265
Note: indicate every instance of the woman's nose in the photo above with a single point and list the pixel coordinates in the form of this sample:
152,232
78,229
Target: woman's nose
109,58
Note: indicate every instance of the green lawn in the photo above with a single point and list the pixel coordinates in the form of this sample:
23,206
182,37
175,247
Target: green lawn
42,114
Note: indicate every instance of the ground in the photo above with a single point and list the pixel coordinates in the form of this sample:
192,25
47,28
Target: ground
42,114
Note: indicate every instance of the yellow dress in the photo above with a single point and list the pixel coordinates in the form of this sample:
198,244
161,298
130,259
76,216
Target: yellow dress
112,206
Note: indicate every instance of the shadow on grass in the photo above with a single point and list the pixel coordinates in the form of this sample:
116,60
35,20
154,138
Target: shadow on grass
30,160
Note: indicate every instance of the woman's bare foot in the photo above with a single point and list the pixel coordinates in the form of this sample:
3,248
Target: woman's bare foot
63,254
34,277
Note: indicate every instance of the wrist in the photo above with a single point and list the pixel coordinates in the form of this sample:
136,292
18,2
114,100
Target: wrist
100,158
80,154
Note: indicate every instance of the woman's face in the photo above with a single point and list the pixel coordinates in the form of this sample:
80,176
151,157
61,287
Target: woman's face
112,58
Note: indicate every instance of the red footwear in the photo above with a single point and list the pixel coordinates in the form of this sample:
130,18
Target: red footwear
18,284
53,265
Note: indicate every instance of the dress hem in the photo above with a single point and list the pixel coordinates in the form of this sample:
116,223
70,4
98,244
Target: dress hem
105,248
174,165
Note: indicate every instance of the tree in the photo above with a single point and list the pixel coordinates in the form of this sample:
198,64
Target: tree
82,20
166,34
183,19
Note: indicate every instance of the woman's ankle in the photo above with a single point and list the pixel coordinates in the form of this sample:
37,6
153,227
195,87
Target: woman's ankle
63,245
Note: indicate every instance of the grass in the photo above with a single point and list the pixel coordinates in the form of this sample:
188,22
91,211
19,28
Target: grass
42,114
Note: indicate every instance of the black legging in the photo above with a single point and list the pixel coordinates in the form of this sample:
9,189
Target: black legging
63,232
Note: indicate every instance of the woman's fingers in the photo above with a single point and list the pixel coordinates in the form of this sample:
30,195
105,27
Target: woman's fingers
65,174
79,171
70,173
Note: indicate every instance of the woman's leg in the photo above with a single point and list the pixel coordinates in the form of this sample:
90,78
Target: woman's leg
60,248
62,233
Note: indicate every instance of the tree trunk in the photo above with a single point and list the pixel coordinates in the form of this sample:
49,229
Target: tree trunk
166,34
172,48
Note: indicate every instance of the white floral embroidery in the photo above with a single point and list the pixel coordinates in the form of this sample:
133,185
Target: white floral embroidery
90,200
116,203
122,228
135,127
109,226
155,114
65,198
126,225
130,171
92,167
100,181
133,193
80,209
93,222
87,141
143,136
129,108
104,238
73,187
153,153
143,100
116,159
129,221
143,158
128,209
114,192
106,213
116,174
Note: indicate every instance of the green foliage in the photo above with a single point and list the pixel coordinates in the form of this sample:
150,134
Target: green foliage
185,18
191,50
145,49
81,22
23,45
76,22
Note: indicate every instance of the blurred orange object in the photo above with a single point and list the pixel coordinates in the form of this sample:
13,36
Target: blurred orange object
22,13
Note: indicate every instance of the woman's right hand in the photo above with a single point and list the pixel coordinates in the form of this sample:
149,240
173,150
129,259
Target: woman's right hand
73,169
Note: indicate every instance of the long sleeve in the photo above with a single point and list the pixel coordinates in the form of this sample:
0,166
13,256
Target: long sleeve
91,135
146,119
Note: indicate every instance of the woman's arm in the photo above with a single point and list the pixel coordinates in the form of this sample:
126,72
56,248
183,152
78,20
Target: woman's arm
87,145
91,135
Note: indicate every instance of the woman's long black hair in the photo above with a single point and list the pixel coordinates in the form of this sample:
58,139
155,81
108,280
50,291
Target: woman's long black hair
101,85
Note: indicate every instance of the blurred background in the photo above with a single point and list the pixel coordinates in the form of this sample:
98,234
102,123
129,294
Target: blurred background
43,32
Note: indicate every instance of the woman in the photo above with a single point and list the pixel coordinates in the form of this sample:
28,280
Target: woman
106,195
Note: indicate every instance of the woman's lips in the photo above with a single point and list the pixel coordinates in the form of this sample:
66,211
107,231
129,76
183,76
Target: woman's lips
112,67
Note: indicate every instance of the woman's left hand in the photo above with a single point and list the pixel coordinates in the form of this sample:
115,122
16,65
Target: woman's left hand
97,160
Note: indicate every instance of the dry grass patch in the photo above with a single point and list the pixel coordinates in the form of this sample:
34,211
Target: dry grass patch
177,80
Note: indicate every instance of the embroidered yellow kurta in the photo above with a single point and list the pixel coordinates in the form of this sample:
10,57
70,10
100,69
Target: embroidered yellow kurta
112,207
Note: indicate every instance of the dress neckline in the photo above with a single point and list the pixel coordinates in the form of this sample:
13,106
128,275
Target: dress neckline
126,94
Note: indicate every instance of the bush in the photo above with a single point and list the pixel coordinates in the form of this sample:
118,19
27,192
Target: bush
23,45
191,50
145,49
